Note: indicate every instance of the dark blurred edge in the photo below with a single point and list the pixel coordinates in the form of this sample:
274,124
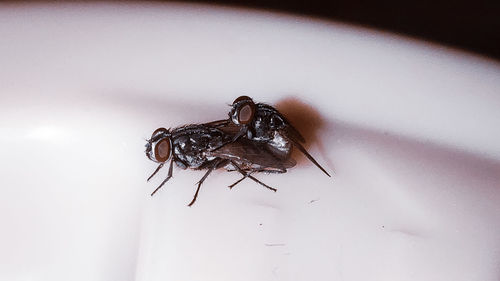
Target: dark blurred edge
469,25
472,26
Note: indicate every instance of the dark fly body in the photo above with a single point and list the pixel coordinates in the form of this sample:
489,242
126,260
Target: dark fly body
185,147
192,146
264,125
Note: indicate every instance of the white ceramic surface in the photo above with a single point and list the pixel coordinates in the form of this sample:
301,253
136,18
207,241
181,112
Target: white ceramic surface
410,129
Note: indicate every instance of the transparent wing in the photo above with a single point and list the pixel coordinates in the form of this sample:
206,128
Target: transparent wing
290,130
292,133
217,124
251,154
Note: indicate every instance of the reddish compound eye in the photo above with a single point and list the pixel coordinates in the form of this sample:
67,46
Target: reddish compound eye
245,113
162,150
243,110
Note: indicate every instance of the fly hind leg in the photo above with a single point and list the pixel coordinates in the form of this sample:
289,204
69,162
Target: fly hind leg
248,175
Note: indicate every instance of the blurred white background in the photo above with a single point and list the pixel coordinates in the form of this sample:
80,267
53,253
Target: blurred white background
410,131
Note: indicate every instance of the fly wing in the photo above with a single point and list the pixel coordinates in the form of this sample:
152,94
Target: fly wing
217,124
251,155
225,125
290,131
293,133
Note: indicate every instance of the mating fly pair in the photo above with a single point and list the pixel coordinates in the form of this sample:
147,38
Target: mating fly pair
255,138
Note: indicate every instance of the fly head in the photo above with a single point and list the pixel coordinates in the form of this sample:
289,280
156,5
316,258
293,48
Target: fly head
159,146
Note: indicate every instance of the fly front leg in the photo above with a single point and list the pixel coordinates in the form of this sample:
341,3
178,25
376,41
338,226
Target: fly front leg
168,176
235,138
156,171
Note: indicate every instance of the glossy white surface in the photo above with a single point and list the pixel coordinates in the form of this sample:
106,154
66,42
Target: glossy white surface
409,129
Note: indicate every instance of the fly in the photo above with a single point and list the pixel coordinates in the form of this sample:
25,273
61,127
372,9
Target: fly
256,138
193,146
264,125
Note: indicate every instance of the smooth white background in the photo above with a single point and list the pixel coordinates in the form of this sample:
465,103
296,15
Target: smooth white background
409,130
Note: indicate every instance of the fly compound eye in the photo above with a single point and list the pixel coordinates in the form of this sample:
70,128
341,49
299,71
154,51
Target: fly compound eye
162,150
245,113
243,110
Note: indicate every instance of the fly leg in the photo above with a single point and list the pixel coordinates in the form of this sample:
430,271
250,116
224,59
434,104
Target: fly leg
256,171
248,175
214,166
238,181
235,138
240,134
168,176
156,171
